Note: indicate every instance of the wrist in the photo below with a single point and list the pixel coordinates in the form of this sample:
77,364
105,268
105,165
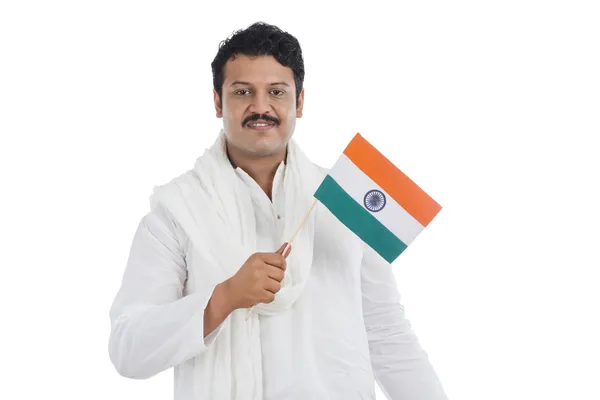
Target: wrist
224,293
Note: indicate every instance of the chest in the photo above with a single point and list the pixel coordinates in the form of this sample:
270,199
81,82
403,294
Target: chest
337,254
337,251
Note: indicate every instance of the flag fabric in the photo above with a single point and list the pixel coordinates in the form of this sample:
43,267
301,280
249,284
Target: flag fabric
374,199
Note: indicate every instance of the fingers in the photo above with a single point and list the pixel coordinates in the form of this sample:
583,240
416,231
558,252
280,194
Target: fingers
289,250
275,273
280,250
274,259
268,297
283,248
272,286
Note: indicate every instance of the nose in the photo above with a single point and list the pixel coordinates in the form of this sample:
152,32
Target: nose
260,104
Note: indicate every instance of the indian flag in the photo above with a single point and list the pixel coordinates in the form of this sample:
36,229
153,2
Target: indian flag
376,200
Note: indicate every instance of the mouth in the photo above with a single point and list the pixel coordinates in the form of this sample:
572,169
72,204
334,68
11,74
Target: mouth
260,125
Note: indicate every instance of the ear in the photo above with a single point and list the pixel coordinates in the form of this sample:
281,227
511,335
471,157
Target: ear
218,105
300,104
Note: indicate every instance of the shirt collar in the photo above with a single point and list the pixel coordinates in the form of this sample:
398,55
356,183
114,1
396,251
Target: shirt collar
251,184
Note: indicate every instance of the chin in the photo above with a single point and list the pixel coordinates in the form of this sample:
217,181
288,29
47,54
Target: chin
266,142
259,144
266,149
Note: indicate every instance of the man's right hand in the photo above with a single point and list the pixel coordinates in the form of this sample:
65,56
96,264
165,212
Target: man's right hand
257,280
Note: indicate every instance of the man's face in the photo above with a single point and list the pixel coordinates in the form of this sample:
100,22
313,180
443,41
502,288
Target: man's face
258,105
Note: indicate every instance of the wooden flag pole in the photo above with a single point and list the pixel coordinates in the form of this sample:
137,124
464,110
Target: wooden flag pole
291,240
299,227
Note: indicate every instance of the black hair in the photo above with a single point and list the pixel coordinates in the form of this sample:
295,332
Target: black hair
260,39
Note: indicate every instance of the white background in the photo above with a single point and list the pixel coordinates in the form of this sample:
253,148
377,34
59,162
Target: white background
492,107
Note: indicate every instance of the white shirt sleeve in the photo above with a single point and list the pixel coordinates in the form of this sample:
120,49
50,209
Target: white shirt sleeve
401,366
154,327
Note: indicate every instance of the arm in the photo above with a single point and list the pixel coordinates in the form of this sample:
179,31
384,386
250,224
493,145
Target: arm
218,309
154,327
401,366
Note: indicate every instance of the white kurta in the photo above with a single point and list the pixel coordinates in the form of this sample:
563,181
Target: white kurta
346,329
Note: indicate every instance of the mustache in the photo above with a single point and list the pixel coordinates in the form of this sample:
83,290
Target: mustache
256,117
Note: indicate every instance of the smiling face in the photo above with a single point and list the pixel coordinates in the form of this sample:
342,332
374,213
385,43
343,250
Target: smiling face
258,105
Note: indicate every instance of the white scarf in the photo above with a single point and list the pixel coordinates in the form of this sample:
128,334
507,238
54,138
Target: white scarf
214,208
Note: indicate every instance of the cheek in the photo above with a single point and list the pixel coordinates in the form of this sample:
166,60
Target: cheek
286,112
228,113
231,113
290,115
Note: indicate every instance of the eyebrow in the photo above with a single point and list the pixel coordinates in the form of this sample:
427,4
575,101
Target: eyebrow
249,84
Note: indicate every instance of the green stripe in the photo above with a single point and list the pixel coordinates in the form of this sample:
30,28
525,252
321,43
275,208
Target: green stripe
359,220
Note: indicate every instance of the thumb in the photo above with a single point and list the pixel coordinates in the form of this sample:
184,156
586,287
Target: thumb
282,248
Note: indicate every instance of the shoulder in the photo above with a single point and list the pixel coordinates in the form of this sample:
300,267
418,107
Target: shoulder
162,225
181,182
164,200
322,170
319,171
174,191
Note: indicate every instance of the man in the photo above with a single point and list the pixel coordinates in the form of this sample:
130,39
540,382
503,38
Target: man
203,290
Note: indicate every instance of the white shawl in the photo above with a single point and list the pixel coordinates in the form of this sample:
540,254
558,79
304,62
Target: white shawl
215,210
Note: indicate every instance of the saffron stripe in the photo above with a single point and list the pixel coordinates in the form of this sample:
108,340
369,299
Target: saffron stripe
399,186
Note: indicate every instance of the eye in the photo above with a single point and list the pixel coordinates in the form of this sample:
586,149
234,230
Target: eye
239,92
278,92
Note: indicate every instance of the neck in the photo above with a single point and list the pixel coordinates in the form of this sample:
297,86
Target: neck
261,169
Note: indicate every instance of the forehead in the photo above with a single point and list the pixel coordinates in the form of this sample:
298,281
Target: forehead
256,70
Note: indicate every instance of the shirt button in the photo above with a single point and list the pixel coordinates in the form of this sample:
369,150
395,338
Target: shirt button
278,216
